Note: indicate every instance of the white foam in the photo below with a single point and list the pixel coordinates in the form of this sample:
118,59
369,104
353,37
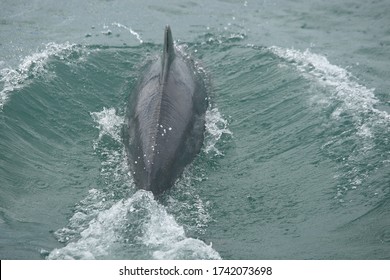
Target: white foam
188,248
350,102
216,128
32,65
357,100
85,211
114,169
141,221
130,30
105,227
167,239
109,123
97,238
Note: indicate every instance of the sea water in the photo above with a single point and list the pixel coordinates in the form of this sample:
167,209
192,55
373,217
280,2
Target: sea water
295,162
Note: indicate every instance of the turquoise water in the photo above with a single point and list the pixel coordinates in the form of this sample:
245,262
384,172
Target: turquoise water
295,163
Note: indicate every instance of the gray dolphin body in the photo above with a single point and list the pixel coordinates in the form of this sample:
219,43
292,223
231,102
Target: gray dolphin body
165,120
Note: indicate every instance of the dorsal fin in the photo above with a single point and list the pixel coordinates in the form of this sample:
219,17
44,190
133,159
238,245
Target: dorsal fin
168,52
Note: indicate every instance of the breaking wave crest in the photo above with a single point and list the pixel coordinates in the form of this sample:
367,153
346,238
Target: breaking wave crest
356,132
33,66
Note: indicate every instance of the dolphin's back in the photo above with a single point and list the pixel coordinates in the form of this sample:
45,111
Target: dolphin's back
165,120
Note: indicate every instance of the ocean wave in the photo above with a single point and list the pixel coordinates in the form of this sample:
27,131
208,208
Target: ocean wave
356,99
122,222
33,66
139,221
356,132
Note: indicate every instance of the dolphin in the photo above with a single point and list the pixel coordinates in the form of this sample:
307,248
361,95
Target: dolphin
165,119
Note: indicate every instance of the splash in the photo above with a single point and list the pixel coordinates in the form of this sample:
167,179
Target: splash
122,222
216,128
130,30
356,99
356,130
167,239
97,238
32,66
109,148
109,123
130,226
